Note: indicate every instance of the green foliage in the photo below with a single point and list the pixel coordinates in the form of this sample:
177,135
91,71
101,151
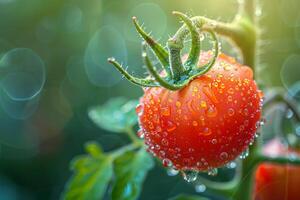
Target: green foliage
92,173
131,170
117,115
188,197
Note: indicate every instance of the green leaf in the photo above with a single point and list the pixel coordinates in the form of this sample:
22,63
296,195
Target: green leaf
131,169
188,197
94,149
92,174
117,115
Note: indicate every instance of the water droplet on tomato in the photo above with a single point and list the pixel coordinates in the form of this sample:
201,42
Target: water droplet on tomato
206,131
212,111
140,134
170,126
212,172
172,172
162,153
230,112
230,91
245,154
246,112
195,123
190,175
203,104
167,163
139,109
224,156
231,165
214,141
164,142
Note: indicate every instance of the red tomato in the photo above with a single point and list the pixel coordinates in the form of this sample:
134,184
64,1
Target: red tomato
274,181
206,124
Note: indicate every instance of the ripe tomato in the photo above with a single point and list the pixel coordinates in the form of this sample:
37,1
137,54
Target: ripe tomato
206,124
274,181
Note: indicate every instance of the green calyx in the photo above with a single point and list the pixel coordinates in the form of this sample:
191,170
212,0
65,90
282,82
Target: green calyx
175,74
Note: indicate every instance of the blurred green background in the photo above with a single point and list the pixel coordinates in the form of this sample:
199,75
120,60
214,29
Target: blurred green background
53,68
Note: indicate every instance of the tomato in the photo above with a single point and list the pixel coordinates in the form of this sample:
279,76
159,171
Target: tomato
206,124
275,181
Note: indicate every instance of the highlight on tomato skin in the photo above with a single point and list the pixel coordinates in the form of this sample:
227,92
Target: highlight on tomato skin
274,181
208,123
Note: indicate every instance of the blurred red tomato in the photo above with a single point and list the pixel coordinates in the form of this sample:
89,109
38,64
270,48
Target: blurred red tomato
274,181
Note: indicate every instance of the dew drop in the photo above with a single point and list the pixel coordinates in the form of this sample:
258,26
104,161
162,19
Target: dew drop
195,89
292,156
203,104
245,154
231,165
164,142
212,172
202,37
224,156
140,134
190,175
195,123
214,141
167,163
230,112
297,130
165,111
200,188
256,135
289,114
212,111
206,131
172,172
231,91
162,153
171,126
139,109
246,112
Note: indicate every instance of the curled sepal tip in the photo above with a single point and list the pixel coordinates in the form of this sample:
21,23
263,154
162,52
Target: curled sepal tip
138,81
150,67
216,48
158,50
194,53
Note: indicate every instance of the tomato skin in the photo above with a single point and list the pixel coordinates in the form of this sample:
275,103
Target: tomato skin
274,181
206,124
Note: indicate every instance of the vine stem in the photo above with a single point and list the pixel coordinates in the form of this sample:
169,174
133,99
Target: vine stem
132,136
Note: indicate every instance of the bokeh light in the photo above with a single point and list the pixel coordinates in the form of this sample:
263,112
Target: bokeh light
23,74
99,71
290,72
